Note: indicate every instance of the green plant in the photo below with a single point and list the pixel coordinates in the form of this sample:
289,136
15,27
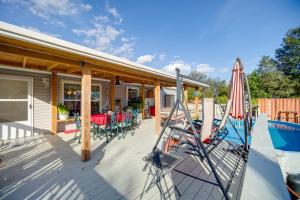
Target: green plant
137,104
254,102
62,109
127,108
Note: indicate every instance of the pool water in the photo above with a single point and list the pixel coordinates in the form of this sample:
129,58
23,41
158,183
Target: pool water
285,136
232,135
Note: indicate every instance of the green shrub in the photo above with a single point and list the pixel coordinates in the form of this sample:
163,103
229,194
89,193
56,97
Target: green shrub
222,99
137,104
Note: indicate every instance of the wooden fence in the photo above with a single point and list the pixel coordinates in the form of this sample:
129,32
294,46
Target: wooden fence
284,109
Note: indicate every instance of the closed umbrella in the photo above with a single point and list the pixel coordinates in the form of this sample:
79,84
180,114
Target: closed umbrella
237,96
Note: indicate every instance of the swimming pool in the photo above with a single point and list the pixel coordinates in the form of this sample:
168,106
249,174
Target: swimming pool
285,136
232,135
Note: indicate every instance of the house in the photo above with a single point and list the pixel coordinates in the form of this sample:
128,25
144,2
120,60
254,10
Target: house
38,72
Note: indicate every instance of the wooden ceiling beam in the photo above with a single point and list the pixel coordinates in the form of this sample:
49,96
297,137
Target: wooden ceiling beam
75,63
36,54
73,69
52,66
24,62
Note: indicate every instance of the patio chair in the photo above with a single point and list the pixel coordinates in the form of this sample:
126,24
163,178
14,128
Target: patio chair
78,129
135,114
114,126
127,123
100,131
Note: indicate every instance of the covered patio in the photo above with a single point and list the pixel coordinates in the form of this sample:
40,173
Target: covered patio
24,52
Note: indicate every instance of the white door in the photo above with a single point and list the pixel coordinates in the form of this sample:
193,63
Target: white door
15,107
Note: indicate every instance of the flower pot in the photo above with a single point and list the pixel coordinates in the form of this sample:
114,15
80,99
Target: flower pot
63,116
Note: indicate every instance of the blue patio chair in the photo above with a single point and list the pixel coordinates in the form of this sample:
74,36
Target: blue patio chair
135,114
114,126
100,131
127,123
78,129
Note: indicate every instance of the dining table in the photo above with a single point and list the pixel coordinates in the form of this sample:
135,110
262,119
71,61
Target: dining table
104,119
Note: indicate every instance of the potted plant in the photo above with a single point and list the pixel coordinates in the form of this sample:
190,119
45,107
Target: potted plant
118,102
63,112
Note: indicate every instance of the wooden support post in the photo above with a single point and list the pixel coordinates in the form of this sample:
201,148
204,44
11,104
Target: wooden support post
112,94
85,113
157,107
196,103
54,102
143,100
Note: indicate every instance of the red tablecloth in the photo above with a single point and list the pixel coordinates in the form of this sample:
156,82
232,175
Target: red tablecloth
103,119
100,119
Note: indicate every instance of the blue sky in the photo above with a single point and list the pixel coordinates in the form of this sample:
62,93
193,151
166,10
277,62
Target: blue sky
194,35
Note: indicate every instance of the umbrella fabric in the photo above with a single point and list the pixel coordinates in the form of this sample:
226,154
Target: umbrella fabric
236,94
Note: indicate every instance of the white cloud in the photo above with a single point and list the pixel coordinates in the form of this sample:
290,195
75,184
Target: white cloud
204,68
100,36
185,68
104,35
50,9
188,67
46,8
102,19
162,57
223,70
39,31
125,50
114,12
145,59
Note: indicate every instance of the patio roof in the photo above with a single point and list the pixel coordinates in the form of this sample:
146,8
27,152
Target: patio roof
20,46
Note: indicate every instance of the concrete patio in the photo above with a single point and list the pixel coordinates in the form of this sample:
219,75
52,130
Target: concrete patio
51,170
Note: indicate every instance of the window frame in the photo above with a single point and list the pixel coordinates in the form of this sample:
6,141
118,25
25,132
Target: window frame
62,89
131,87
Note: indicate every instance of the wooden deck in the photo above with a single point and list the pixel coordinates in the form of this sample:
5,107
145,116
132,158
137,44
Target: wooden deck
52,169
200,182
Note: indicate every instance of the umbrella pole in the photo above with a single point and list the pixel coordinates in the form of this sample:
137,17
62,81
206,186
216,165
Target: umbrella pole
245,117
250,103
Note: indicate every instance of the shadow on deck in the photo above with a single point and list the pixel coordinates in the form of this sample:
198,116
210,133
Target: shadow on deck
195,180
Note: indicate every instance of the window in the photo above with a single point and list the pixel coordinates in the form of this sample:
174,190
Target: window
132,94
72,97
15,98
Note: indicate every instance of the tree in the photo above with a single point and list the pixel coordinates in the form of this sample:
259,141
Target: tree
267,65
279,76
268,82
288,57
218,89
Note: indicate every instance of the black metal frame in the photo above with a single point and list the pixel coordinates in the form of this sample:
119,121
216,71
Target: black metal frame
199,148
